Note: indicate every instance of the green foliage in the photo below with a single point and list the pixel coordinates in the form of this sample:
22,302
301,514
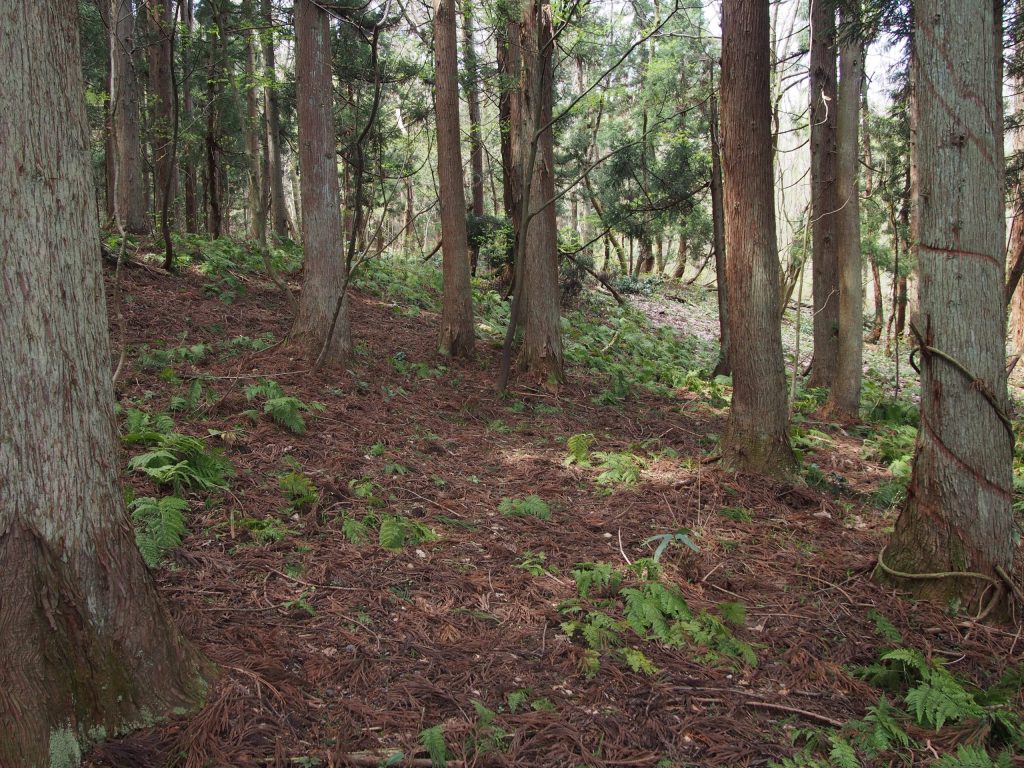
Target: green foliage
973,756
397,532
530,506
619,468
938,697
432,740
298,489
145,428
358,531
532,563
286,411
182,462
736,514
652,611
266,530
155,358
159,525
681,537
486,735
579,449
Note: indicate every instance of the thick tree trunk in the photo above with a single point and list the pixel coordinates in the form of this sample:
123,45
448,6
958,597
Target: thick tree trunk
87,646
724,365
756,437
958,515
161,86
844,398
824,200
130,194
215,176
324,279
476,145
457,335
275,172
533,150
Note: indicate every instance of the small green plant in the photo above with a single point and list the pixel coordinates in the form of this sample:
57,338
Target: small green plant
736,514
159,526
145,428
619,468
265,530
680,537
432,740
486,735
301,602
533,563
297,488
284,410
579,449
358,532
530,506
397,532
190,400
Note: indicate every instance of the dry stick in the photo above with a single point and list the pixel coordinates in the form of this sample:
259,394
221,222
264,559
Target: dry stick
795,711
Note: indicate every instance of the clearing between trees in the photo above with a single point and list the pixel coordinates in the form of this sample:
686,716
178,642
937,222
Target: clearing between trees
394,565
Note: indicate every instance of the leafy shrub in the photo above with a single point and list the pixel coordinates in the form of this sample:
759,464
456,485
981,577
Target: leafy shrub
159,525
183,462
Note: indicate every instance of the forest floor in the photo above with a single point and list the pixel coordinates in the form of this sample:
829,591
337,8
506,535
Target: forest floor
334,650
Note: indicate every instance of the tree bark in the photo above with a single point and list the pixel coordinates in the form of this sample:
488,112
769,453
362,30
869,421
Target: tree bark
533,161
824,202
275,172
476,145
958,515
87,646
457,336
844,398
130,192
324,278
254,129
756,437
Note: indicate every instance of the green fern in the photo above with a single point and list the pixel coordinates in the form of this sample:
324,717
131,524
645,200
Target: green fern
579,449
182,461
637,661
972,756
530,506
284,410
842,755
357,531
160,526
596,575
619,468
938,697
432,740
145,428
398,532
299,490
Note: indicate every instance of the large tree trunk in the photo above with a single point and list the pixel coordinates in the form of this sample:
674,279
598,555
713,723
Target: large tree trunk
958,515
456,337
476,144
130,192
275,172
215,172
161,86
824,260
324,278
724,365
844,399
534,162
756,437
87,646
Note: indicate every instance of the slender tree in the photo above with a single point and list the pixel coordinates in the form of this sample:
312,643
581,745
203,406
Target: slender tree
323,311
476,143
756,437
188,160
958,517
161,86
824,260
723,367
130,191
274,176
844,398
456,334
87,646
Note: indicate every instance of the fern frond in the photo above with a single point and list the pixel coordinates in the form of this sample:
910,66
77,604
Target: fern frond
432,740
